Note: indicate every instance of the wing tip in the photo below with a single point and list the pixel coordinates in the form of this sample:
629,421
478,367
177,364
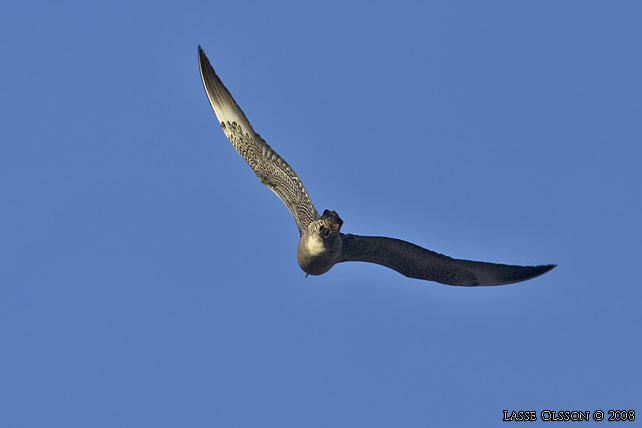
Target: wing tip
202,58
511,275
542,269
534,272
201,52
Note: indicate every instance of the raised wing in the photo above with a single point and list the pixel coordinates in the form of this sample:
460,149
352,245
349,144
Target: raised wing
268,166
414,261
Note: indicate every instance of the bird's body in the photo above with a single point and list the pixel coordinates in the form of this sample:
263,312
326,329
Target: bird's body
321,243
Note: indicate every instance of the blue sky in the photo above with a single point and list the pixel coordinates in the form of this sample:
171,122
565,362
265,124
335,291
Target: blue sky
147,278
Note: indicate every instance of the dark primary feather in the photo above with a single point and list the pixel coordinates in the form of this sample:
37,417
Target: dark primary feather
268,166
416,262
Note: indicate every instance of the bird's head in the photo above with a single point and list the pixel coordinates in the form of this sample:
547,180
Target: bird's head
329,225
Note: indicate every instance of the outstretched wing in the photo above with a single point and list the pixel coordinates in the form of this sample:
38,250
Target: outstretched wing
416,262
268,166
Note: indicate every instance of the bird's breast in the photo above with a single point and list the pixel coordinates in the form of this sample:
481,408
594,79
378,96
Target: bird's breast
316,256
315,246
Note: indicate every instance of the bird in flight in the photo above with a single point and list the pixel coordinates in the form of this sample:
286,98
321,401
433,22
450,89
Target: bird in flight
321,243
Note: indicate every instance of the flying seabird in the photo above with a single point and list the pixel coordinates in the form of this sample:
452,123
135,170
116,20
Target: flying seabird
321,244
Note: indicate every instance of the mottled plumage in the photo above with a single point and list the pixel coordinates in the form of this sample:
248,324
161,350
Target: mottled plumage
321,244
268,166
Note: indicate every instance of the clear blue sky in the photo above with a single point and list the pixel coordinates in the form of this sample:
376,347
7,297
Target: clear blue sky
147,278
